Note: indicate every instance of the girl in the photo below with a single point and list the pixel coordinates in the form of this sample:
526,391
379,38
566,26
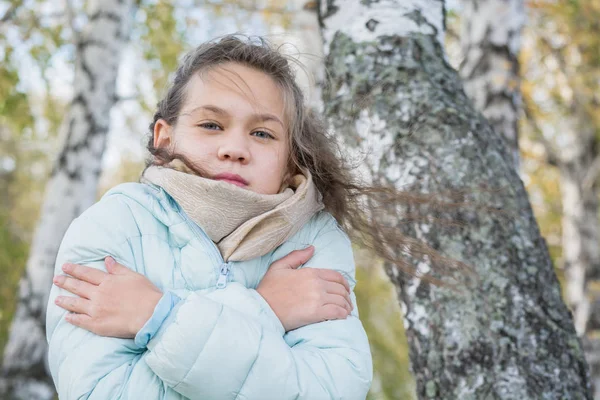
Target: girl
188,284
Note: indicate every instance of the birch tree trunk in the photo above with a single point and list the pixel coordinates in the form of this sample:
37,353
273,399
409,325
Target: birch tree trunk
70,190
580,229
570,119
490,43
391,90
304,43
578,163
581,236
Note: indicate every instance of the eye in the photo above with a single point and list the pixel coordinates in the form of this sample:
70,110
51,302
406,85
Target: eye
209,125
263,135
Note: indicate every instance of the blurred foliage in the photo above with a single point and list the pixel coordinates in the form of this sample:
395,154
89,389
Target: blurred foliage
380,313
129,169
13,254
162,42
29,123
560,66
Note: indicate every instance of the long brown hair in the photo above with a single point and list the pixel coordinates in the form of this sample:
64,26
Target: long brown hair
360,208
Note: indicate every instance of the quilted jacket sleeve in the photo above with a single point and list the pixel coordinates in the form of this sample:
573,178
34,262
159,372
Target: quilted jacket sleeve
209,350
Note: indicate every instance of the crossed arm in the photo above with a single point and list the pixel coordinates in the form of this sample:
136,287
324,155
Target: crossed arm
237,349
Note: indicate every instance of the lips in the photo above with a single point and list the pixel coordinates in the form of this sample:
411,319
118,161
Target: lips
231,178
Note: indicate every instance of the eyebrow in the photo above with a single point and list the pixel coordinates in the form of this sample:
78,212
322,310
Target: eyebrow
220,111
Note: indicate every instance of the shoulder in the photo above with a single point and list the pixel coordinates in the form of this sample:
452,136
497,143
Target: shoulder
321,225
132,206
118,224
127,211
333,248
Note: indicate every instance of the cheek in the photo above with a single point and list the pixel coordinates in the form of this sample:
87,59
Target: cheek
276,162
271,171
194,147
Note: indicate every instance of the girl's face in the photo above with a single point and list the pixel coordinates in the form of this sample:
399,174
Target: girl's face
232,126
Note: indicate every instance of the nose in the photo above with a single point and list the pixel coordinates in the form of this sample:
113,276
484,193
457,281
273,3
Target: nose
234,149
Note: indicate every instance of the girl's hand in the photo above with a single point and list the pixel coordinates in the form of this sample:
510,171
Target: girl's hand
115,304
305,296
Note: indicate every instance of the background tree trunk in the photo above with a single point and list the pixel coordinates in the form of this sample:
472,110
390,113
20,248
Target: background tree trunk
70,190
581,233
490,42
566,124
303,42
511,337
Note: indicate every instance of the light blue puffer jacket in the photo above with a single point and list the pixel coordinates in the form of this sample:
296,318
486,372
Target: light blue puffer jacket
216,343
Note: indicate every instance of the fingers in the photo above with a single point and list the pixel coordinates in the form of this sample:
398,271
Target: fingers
88,274
74,304
334,288
295,259
81,320
75,286
333,311
334,276
339,301
114,267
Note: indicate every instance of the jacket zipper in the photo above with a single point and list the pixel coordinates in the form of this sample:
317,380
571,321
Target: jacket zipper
225,267
224,272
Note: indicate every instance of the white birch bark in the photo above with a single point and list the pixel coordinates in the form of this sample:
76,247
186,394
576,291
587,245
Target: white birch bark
490,43
302,40
580,230
70,190
578,165
511,337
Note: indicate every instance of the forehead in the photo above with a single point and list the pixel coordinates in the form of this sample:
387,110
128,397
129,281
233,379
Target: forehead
236,89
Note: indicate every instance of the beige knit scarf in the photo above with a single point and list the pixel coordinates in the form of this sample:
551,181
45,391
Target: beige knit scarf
243,224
